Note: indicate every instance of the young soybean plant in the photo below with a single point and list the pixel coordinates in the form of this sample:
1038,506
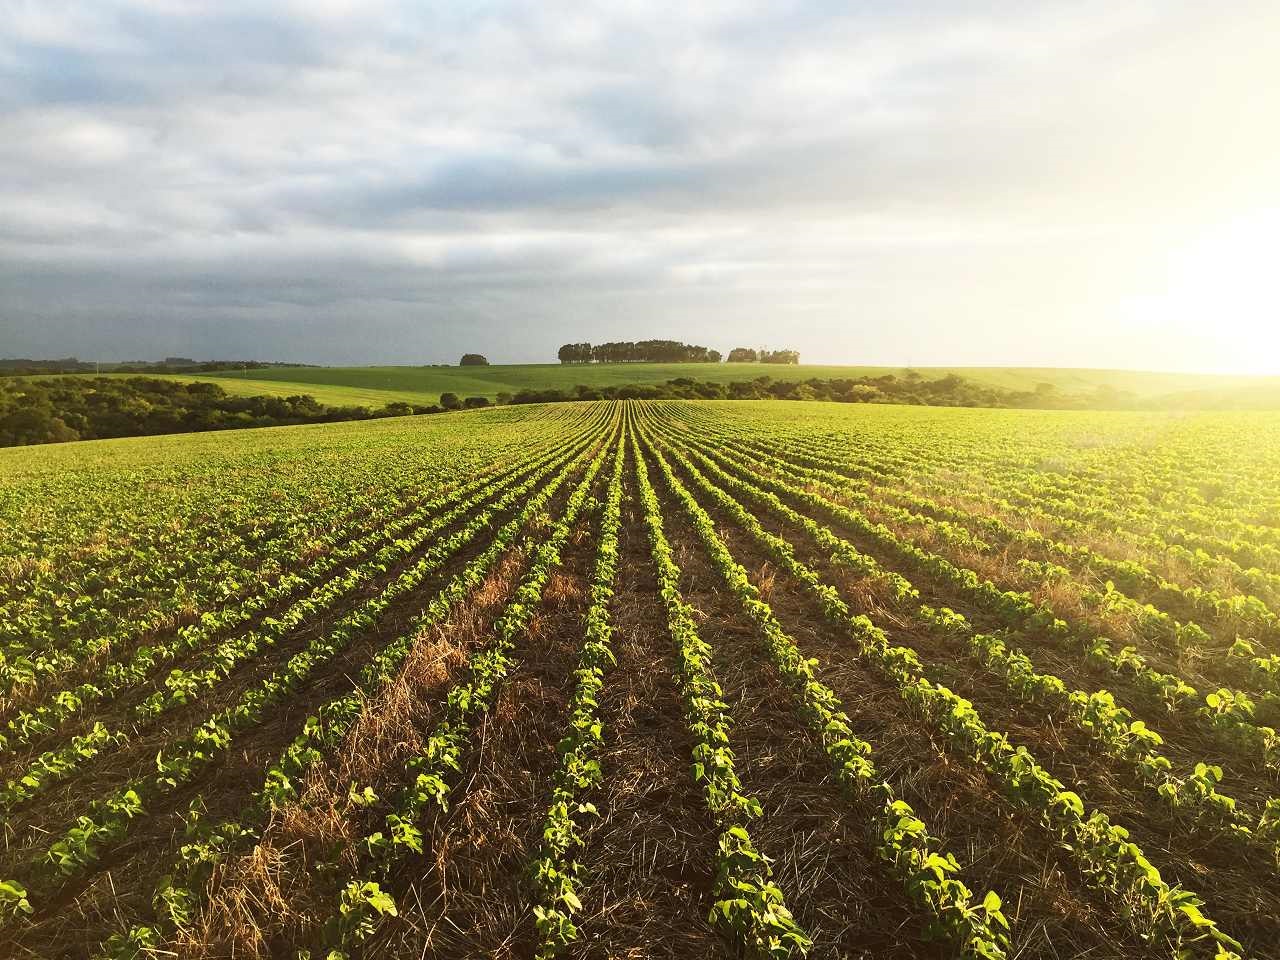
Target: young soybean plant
980,931
1227,714
749,904
1103,849
554,872
363,902
179,895
1111,726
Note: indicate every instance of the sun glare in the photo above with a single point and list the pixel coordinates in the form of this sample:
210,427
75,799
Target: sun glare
1221,296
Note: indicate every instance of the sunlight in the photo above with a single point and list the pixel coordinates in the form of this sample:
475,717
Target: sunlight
1221,295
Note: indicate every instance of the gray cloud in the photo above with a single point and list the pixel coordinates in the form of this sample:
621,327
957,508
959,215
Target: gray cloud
883,182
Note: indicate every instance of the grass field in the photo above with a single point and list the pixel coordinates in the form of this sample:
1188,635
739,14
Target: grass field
663,679
376,386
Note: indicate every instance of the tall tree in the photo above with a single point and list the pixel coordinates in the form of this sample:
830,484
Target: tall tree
779,356
575,353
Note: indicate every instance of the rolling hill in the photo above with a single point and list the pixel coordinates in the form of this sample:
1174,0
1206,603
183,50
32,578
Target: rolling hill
376,386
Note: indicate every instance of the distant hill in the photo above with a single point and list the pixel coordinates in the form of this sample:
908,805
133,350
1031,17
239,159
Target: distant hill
376,386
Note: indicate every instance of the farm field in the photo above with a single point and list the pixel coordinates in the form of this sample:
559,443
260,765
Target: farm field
377,386
646,679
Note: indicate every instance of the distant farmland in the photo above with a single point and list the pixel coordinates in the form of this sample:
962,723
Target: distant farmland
376,386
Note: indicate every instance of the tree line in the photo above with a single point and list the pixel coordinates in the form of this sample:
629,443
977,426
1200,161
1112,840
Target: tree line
749,355
639,351
909,388
666,351
20,366
95,408
91,408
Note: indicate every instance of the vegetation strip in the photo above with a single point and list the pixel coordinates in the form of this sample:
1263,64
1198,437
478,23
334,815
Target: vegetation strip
749,905
1225,712
977,930
555,873
1246,656
210,844
1096,713
363,900
1103,850
109,819
182,686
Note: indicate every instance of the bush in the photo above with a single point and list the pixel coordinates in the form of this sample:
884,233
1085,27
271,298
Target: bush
473,360
450,401
541,396
862,393
474,403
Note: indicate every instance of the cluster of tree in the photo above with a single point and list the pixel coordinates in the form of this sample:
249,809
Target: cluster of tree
575,353
640,351
910,388
90,408
748,355
17,366
473,360
450,401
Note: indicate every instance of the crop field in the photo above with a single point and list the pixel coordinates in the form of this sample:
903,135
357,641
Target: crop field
665,679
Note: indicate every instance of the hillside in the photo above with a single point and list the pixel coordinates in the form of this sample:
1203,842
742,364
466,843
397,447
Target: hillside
376,386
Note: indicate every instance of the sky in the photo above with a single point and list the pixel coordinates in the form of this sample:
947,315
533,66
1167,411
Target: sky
1081,183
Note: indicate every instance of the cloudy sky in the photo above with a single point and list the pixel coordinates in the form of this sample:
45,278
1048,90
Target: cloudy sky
1079,183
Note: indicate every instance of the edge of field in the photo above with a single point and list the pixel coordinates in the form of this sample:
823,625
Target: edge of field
377,386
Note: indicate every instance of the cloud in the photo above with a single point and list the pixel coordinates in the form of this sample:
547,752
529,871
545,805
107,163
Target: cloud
267,181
